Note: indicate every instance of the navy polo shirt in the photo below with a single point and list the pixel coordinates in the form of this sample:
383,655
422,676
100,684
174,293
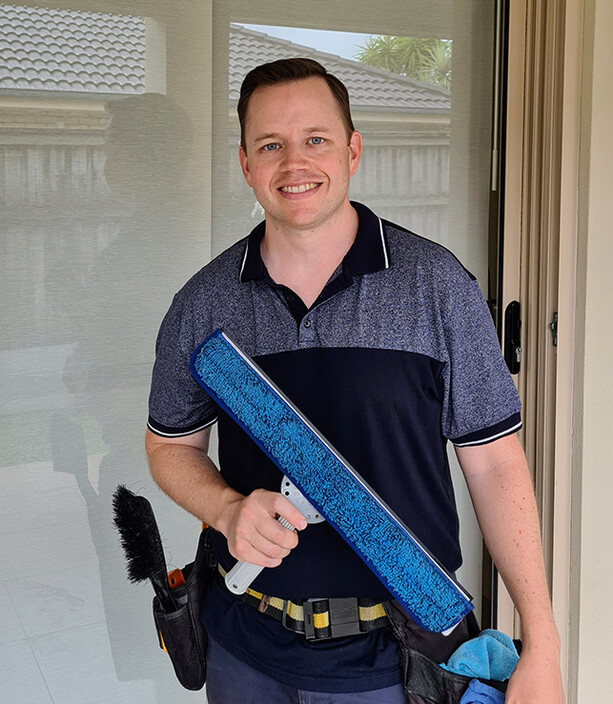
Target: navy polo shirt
397,356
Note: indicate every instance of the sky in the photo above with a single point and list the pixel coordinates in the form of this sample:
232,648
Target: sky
345,44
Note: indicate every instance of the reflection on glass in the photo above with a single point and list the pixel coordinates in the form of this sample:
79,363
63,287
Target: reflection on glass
102,221
100,227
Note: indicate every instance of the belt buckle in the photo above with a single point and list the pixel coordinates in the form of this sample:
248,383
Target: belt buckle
344,618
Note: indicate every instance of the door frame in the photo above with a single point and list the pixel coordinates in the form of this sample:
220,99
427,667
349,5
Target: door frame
540,265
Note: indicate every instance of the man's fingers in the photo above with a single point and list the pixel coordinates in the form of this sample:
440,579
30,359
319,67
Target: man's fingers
257,536
268,556
270,541
280,506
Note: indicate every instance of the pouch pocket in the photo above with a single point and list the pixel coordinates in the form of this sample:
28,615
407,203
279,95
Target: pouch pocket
180,632
424,681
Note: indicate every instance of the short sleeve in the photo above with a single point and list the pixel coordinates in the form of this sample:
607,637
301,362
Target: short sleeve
481,403
178,405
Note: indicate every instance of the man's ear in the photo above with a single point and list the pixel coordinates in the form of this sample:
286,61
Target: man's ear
355,152
244,162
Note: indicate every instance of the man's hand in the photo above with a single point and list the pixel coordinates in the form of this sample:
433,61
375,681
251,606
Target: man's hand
254,534
536,679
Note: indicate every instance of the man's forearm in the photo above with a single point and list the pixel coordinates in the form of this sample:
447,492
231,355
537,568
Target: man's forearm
502,493
185,472
503,496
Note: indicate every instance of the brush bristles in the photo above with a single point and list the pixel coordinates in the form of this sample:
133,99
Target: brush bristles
139,534
403,565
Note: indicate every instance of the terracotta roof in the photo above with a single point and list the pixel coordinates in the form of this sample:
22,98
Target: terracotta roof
369,88
69,51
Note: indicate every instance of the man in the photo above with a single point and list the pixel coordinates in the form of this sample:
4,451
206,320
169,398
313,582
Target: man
382,339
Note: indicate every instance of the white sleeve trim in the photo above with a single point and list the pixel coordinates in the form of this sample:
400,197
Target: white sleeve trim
155,430
483,441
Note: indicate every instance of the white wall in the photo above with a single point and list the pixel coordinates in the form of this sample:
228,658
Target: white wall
593,520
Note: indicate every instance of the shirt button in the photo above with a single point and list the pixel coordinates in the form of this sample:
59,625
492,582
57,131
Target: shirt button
307,323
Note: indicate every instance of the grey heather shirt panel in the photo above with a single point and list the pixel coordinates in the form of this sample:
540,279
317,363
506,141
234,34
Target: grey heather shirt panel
425,302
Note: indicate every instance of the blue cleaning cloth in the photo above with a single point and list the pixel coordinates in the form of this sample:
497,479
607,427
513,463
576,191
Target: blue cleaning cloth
490,656
479,693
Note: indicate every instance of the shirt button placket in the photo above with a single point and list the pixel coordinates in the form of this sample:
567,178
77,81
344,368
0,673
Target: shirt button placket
306,331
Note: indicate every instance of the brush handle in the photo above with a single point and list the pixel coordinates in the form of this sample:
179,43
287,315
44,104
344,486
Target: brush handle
242,574
163,591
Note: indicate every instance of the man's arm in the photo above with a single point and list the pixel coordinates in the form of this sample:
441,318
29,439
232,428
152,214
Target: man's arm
501,491
182,468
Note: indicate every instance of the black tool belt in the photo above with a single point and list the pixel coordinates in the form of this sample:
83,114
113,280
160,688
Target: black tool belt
318,619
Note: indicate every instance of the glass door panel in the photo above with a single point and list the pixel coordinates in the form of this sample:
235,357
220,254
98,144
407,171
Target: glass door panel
118,179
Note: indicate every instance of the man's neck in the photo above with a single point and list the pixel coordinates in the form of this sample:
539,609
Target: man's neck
304,260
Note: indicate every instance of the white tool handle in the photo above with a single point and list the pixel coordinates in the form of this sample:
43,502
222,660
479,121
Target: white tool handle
242,574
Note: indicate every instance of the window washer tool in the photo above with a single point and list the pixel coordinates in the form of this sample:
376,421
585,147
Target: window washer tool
141,542
243,573
411,574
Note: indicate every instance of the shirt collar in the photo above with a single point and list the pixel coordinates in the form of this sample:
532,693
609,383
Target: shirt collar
368,254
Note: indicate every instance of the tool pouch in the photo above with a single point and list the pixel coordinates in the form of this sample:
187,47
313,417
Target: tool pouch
423,680
427,683
180,632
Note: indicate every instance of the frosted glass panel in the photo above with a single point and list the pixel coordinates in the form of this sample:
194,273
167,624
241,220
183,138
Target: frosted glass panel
118,180
103,219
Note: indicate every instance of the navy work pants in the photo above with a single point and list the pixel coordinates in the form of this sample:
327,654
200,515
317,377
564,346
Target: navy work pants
230,681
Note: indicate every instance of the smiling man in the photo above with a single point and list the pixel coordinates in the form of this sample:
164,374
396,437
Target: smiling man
298,153
384,341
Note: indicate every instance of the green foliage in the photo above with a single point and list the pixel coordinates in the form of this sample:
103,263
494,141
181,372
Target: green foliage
427,60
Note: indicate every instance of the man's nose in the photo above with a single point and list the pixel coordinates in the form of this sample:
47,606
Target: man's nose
294,157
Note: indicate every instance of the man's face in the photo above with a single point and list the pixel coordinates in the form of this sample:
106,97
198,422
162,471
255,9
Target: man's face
298,157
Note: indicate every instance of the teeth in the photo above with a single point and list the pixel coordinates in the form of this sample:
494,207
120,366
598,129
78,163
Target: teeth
299,189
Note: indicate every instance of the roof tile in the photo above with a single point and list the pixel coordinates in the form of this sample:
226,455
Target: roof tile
60,50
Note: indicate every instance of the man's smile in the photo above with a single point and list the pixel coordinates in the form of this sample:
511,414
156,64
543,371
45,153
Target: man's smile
302,188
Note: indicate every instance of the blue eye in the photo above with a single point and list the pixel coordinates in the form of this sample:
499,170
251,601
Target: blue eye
270,147
317,140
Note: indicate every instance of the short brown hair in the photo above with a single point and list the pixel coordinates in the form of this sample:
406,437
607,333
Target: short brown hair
286,71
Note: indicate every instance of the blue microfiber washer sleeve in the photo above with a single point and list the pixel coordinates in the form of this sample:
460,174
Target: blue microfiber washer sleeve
406,568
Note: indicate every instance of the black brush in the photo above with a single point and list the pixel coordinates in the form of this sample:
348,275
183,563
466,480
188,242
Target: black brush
141,542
